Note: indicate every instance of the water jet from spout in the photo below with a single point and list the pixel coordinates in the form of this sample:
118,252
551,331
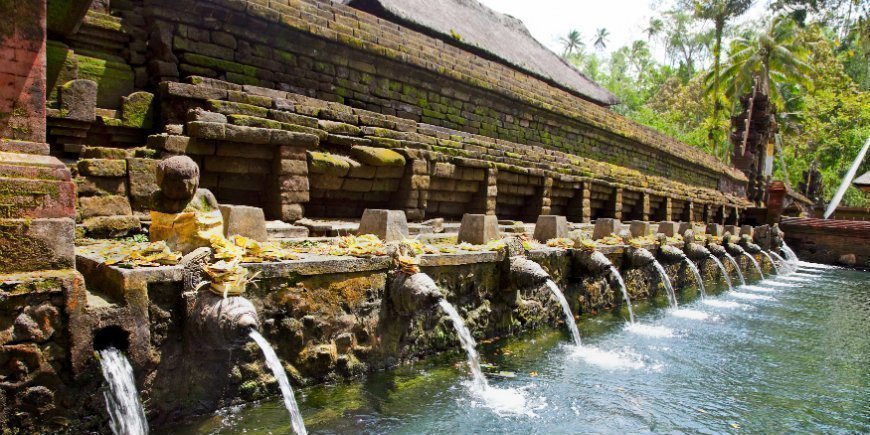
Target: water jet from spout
697,274
722,271
772,263
566,310
736,267
615,272
754,263
468,343
122,399
672,297
281,376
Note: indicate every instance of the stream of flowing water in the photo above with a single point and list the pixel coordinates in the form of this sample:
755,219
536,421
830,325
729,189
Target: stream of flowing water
736,267
722,271
772,263
672,296
785,265
566,310
697,274
281,376
122,398
615,272
754,263
468,343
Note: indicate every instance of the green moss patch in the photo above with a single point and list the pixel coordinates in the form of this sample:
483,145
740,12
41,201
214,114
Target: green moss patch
377,156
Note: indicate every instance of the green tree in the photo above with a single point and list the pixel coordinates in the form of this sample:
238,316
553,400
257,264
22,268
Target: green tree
572,43
777,55
601,36
719,12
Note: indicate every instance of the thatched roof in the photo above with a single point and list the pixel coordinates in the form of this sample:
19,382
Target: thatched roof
489,33
863,180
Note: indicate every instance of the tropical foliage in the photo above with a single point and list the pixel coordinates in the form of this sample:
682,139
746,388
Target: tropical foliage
811,56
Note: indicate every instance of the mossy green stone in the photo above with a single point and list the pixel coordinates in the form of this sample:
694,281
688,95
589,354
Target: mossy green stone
377,156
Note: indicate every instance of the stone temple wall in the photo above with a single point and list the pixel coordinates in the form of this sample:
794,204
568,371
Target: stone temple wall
399,120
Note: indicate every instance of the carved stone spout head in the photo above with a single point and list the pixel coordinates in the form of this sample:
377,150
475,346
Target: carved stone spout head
409,293
526,273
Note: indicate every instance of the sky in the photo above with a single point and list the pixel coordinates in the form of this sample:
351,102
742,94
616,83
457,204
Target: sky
547,20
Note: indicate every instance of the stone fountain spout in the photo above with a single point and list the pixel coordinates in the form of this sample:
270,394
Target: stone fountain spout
748,246
731,247
409,293
639,257
595,262
526,273
695,251
716,249
214,321
222,323
776,238
666,252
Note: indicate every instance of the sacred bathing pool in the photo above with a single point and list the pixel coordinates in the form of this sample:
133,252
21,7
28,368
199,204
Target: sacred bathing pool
220,216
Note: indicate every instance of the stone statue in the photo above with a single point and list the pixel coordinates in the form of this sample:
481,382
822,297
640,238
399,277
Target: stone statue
182,214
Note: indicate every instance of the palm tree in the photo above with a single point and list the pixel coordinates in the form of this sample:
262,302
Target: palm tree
776,55
601,38
654,27
718,11
573,43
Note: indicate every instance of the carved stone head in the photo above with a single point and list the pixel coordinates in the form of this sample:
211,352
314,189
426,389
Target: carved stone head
178,178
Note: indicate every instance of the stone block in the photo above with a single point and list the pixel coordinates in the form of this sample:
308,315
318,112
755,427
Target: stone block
137,110
78,100
90,186
715,230
747,230
278,229
639,228
388,225
733,229
36,244
685,226
291,212
142,176
110,226
245,221
551,227
102,167
91,206
91,152
668,228
478,229
605,227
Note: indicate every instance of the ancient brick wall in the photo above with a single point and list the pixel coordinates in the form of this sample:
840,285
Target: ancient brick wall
334,116
336,53
22,77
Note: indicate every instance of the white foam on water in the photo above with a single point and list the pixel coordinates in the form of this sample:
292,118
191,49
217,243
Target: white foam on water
751,296
690,314
810,265
506,402
795,278
758,288
808,275
608,359
780,284
657,331
718,303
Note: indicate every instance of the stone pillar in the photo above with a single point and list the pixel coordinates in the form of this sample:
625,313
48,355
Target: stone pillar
291,190
617,203
644,197
22,70
775,201
491,189
689,212
413,194
667,203
586,204
546,196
